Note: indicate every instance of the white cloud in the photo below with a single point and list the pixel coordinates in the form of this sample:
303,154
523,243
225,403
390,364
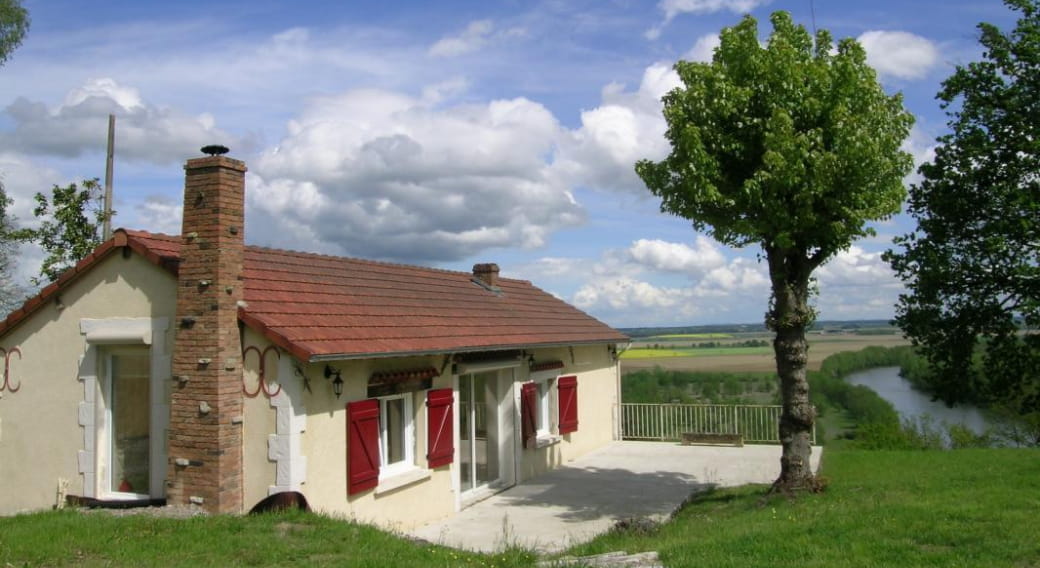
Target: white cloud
922,147
386,175
625,293
673,8
857,284
79,125
738,277
899,54
639,287
471,39
157,215
703,49
22,179
678,257
855,267
626,127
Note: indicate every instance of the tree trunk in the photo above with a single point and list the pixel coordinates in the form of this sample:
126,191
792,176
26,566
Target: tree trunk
789,317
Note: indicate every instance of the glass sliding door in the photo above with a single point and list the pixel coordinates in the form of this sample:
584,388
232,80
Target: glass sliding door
478,430
129,419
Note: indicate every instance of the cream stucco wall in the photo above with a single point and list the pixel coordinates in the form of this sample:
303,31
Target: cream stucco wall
259,411
40,432
434,495
427,498
598,382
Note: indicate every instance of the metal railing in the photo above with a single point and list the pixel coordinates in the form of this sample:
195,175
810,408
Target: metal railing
754,423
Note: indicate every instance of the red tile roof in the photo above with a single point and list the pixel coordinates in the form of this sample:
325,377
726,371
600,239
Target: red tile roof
325,307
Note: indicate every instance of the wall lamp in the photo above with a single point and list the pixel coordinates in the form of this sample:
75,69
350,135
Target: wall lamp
337,383
612,351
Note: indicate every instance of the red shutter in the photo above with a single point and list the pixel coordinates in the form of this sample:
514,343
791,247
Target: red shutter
528,402
568,395
362,445
440,435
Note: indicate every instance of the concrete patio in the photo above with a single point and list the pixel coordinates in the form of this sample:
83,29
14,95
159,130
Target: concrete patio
586,497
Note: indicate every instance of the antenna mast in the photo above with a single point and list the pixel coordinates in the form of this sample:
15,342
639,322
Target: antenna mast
106,231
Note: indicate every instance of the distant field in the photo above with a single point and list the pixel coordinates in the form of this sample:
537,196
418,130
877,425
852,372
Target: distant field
691,336
751,359
650,353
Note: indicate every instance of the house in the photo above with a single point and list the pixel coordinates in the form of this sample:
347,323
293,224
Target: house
195,369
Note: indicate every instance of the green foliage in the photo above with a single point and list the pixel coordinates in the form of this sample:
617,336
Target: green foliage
789,128
11,293
658,385
70,226
14,23
972,266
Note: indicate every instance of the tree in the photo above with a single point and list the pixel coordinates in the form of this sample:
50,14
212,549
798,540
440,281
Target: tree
14,23
792,146
70,228
972,266
11,293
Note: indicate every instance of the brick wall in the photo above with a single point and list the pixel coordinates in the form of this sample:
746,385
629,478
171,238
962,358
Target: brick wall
205,435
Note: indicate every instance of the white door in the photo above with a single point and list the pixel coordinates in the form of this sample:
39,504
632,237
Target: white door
125,439
486,463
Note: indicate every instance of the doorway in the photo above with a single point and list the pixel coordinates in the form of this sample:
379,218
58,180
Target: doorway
126,439
485,434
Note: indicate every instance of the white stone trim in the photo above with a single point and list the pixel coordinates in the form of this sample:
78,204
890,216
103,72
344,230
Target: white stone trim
285,446
91,415
118,331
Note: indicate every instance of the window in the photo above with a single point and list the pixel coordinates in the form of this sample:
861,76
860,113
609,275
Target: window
541,418
396,435
546,412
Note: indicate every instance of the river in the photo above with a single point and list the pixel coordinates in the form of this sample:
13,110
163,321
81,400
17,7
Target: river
911,403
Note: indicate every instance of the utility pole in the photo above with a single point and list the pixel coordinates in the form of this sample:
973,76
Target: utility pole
107,226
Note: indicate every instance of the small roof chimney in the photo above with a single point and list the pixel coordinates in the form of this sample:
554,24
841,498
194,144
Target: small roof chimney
486,274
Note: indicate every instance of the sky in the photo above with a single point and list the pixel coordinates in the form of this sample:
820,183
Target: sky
446,133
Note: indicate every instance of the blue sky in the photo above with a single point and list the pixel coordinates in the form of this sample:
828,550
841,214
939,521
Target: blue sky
444,133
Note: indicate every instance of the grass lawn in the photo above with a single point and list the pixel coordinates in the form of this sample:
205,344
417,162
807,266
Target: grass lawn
952,508
72,538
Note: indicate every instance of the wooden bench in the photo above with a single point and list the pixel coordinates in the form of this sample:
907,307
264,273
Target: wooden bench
702,438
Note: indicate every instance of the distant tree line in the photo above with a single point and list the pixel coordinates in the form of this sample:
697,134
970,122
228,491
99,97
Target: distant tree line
746,343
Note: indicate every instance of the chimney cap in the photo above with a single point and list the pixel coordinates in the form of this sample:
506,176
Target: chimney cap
215,150
486,275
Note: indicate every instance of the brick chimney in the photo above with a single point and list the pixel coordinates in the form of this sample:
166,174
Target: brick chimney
205,435
486,275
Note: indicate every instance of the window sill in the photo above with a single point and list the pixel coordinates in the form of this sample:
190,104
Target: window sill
546,441
399,480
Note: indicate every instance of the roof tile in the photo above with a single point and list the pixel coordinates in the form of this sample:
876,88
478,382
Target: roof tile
320,306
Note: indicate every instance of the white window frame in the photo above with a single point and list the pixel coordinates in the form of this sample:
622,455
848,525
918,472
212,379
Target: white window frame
547,430
407,464
542,412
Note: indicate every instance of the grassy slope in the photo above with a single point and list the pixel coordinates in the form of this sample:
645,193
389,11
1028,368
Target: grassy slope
955,508
71,538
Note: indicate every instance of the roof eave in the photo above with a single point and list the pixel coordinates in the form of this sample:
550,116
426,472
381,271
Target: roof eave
505,347
54,289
